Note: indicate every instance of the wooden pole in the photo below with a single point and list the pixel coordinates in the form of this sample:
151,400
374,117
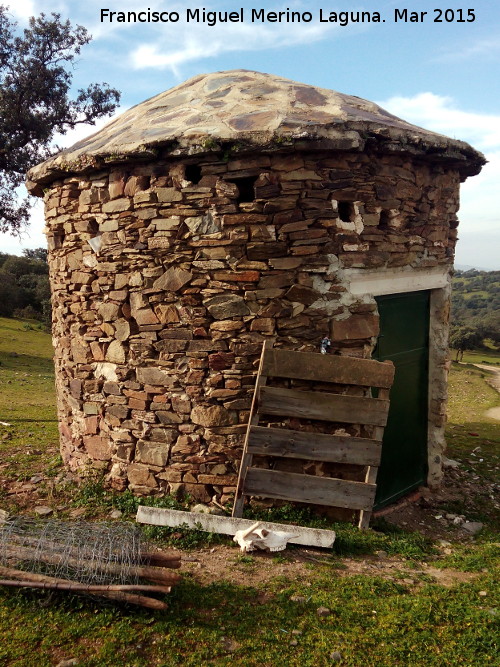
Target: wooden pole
113,592
156,574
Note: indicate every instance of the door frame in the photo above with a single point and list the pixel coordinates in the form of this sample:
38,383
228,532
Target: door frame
371,283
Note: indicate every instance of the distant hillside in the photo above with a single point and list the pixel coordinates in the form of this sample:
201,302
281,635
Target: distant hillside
24,285
475,309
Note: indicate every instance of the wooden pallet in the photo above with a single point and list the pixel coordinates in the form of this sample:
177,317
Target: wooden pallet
319,406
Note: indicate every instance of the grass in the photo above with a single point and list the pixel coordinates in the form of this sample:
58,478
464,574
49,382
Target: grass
372,620
491,357
27,398
473,438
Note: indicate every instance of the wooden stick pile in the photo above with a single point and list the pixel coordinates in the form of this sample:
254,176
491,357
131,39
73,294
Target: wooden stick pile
79,569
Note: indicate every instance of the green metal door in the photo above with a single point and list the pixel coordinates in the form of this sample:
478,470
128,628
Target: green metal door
404,339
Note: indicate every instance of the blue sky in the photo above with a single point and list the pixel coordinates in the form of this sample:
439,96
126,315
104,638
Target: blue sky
444,76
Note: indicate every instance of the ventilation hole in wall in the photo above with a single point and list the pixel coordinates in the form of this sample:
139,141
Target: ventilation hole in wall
93,226
245,187
384,220
58,238
193,173
346,211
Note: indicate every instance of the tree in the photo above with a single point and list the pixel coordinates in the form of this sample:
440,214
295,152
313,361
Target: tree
35,101
36,253
463,338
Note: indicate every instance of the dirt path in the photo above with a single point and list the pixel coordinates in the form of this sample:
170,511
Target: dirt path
494,381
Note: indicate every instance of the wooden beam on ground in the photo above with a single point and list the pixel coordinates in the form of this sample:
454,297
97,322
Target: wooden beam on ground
211,523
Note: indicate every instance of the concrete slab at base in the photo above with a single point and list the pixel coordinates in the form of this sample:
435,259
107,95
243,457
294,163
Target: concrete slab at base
211,523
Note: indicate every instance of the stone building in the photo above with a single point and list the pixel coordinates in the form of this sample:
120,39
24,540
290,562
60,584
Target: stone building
236,207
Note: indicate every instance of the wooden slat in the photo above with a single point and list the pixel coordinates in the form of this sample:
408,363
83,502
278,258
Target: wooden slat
309,489
327,368
264,441
364,515
372,471
246,458
323,406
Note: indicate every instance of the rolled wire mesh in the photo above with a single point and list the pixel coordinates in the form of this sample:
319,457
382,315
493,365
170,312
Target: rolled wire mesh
90,553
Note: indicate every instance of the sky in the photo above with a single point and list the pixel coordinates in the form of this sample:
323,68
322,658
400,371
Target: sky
440,71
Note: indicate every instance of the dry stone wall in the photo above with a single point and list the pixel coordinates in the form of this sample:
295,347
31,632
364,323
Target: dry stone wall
168,276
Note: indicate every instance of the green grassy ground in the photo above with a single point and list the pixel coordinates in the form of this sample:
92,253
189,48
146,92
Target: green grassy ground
473,437
481,357
372,620
27,398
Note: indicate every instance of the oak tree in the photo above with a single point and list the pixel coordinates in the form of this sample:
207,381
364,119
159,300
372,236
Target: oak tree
36,101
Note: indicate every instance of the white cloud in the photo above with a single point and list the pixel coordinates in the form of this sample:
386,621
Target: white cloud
22,9
195,42
484,49
440,114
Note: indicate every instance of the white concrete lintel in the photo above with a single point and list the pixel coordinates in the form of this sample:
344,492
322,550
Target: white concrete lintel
396,281
211,523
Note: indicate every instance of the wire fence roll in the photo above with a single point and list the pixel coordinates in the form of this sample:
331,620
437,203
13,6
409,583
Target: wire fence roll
90,553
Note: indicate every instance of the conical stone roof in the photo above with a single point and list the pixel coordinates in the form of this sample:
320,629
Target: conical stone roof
250,111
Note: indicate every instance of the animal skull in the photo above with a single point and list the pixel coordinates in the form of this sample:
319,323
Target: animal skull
258,537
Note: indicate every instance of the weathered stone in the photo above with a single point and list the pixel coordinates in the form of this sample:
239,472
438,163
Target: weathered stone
80,351
97,447
211,415
139,475
221,360
168,194
226,325
154,376
75,388
244,219
108,226
140,310
165,435
173,279
119,411
168,417
117,205
302,294
221,480
155,453
197,492
223,306
167,224
263,324
266,250
122,329
43,510
166,314
355,328
115,352
237,276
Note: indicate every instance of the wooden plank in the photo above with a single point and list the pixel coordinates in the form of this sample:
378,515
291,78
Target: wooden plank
372,471
309,489
246,458
264,441
327,368
323,406
365,515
